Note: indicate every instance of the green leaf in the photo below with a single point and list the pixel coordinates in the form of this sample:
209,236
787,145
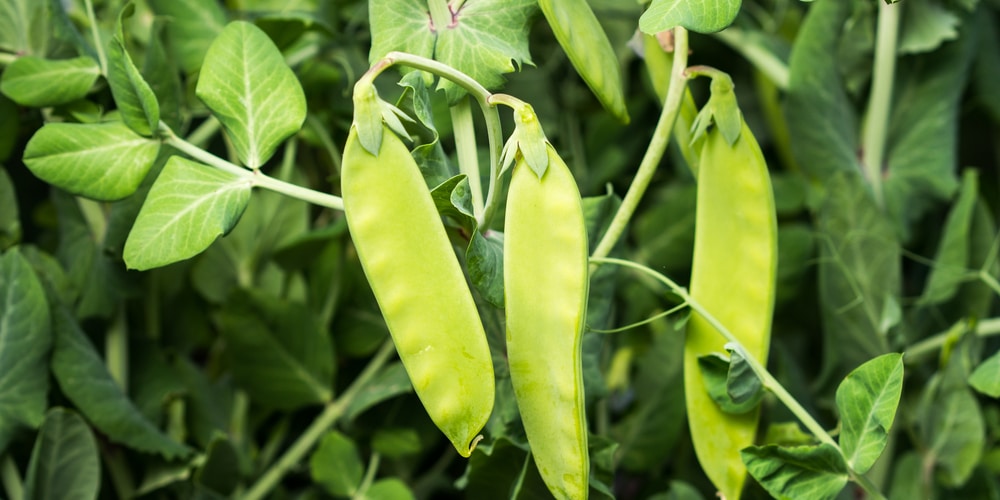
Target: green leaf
277,351
85,380
721,110
583,39
728,381
134,97
336,465
192,25
160,70
33,81
10,221
389,383
64,463
702,16
483,40
867,401
25,341
484,260
105,161
925,26
814,472
396,442
250,89
986,377
951,264
10,127
188,207
23,26
220,473
388,489
908,480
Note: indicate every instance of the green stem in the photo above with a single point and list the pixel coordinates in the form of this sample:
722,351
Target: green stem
116,350
95,32
93,213
916,353
315,431
762,59
256,177
464,129
657,146
880,102
440,14
369,478
11,478
6,58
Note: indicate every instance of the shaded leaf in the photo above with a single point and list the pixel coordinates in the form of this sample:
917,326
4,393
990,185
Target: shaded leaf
867,401
925,26
719,373
23,29
389,489
220,473
10,221
951,263
25,341
389,383
33,81
814,472
64,463
188,207
336,465
105,161
85,380
192,25
986,377
277,350
250,89
135,99
702,16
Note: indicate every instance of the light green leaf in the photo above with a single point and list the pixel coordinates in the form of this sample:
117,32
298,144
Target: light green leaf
191,27
702,16
277,351
336,465
583,39
188,207
388,489
867,401
396,442
23,26
25,341
104,161
908,478
250,89
85,381
813,472
134,97
33,81
986,377
64,463
484,40
389,383
951,264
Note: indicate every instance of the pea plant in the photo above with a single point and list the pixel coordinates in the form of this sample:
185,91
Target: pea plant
499,249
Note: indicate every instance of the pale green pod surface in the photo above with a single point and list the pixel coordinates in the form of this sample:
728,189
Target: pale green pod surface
545,284
733,277
419,285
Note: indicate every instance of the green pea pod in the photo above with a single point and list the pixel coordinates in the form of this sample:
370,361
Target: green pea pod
733,277
419,286
545,284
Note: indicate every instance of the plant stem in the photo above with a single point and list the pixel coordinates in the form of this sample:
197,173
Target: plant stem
6,58
440,14
464,129
919,351
95,32
93,212
880,103
116,350
369,478
11,479
258,178
315,431
762,59
654,153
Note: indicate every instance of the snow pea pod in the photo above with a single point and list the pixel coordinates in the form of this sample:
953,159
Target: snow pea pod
733,277
545,286
419,285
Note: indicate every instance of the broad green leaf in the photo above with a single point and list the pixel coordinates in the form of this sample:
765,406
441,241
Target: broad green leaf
951,264
986,377
336,465
815,89
867,401
389,383
908,478
921,159
189,206
10,222
484,260
191,26
787,434
65,464
391,488
396,442
250,89
702,16
859,274
105,161
277,351
85,381
484,39
134,97
23,26
583,39
813,472
33,81
25,341
925,26
220,473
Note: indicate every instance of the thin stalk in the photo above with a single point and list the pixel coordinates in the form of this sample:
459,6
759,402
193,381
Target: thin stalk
11,479
465,148
102,59
880,103
440,14
116,350
762,59
369,478
315,431
93,213
919,351
657,146
204,133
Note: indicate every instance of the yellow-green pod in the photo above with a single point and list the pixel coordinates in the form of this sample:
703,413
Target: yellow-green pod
545,286
420,287
733,277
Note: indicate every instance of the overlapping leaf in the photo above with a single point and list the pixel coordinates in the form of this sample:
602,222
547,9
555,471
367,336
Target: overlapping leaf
867,401
65,464
814,472
37,82
134,97
702,16
191,26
